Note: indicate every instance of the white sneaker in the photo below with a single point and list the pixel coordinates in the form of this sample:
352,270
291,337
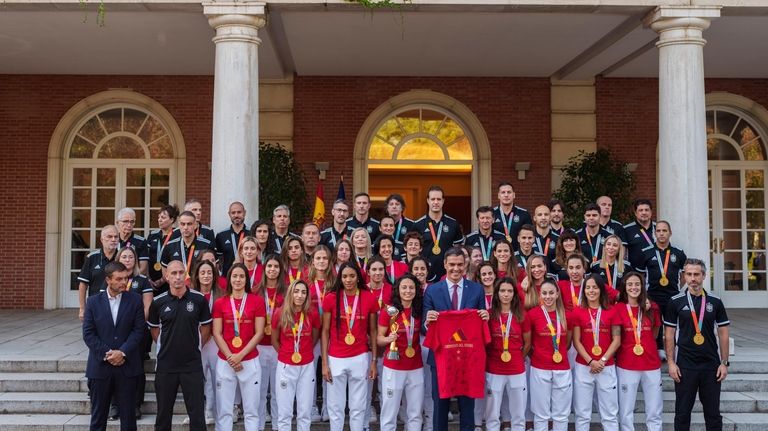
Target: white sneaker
373,419
507,429
210,420
315,415
267,418
185,421
450,416
478,428
326,418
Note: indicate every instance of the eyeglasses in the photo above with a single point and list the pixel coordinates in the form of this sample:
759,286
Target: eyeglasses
127,221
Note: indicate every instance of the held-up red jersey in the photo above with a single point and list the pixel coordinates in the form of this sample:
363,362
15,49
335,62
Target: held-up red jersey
541,340
581,318
366,306
626,359
458,340
311,321
404,363
516,365
254,307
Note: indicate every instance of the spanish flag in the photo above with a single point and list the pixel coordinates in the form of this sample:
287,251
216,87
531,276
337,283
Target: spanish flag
318,217
459,336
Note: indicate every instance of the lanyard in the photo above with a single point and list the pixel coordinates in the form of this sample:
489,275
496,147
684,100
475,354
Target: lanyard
161,247
252,274
507,222
595,321
397,229
409,328
291,277
611,280
574,296
187,257
645,235
665,267
555,335
238,314
296,329
391,275
637,324
269,303
506,329
436,238
596,248
486,249
697,322
544,251
320,296
350,312
235,243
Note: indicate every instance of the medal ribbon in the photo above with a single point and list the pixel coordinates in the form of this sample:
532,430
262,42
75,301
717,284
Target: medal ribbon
488,303
296,329
252,275
544,251
664,268
637,324
645,235
555,335
507,222
505,330
574,299
486,250
234,243
611,280
596,248
397,229
293,278
161,247
436,238
391,273
409,328
350,312
187,258
697,322
269,303
238,314
320,296
595,326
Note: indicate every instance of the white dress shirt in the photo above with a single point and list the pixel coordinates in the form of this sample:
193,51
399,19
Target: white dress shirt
459,291
114,305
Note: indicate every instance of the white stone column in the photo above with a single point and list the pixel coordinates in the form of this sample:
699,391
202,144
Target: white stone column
235,146
682,181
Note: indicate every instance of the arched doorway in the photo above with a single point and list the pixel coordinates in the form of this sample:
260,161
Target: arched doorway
418,139
117,149
738,170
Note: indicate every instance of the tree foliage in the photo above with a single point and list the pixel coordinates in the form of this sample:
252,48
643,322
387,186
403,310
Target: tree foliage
586,177
281,181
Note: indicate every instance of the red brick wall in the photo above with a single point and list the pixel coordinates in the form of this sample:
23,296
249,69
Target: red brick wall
515,113
30,108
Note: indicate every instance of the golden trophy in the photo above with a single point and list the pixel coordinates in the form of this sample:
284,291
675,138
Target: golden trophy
393,327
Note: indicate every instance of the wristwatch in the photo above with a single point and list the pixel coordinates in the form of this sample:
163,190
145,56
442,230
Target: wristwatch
604,359
726,362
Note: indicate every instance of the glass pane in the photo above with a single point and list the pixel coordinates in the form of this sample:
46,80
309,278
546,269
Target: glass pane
81,239
710,122
134,198
78,258
135,177
420,149
81,218
756,199
754,150
755,240
152,130
81,149
732,261
450,131
158,198
132,120
732,219
122,147
409,121
103,218
81,177
461,150
755,179
153,216
112,120
744,133
105,198
431,120
731,198
755,220
732,179
756,261
725,122
92,130
390,132
74,283
380,150
161,148
160,177
734,281
140,219
757,281
732,240
718,149
81,197
105,177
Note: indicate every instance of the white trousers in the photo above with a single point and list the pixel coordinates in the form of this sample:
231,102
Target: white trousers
352,372
429,406
227,382
210,356
629,381
584,386
268,359
294,381
551,392
505,390
394,383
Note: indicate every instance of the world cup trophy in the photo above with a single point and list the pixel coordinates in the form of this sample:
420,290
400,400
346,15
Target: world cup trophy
393,327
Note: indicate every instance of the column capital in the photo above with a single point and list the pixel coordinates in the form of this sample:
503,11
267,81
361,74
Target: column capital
681,24
235,22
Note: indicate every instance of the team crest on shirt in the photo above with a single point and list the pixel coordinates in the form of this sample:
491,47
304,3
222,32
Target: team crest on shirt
673,258
488,392
516,218
403,230
134,285
370,229
709,307
390,393
190,306
445,229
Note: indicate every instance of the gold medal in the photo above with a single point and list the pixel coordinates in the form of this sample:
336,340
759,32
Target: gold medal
664,281
506,356
436,250
557,357
296,357
509,239
349,339
638,350
158,266
268,330
597,350
237,342
410,352
698,339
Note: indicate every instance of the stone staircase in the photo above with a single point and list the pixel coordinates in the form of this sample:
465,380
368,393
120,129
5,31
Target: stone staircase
48,395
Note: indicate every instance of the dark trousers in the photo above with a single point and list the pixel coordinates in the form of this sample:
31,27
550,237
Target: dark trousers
708,388
166,388
102,390
440,418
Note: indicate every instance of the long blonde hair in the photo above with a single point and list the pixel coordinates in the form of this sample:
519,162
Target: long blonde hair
288,310
330,277
619,255
532,295
559,306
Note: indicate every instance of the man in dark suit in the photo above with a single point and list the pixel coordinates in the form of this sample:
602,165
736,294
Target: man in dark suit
453,293
113,328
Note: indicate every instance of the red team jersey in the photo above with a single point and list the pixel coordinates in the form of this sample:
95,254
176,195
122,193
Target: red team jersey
541,340
316,295
516,365
394,271
649,360
366,306
581,318
222,309
267,340
404,363
311,321
458,339
383,296
569,292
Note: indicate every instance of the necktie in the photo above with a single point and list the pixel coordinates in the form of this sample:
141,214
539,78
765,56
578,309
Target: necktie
455,297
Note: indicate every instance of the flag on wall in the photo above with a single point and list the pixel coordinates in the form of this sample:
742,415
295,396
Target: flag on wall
318,216
341,194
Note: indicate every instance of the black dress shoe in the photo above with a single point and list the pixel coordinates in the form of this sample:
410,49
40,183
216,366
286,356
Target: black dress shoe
114,414
138,413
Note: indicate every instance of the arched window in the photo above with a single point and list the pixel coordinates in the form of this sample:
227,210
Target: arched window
733,135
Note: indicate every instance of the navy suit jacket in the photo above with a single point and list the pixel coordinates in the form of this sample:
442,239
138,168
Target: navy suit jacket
101,334
438,299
